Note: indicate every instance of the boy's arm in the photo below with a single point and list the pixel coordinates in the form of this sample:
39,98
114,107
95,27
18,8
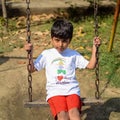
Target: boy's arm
93,59
29,47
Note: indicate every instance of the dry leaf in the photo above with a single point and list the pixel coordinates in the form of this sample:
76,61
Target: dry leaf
21,62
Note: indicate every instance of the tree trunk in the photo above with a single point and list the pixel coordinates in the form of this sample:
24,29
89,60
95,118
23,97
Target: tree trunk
4,11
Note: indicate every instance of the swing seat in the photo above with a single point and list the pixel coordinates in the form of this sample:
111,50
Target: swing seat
86,102
36,103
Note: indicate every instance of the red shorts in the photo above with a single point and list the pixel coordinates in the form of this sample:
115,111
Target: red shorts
64,103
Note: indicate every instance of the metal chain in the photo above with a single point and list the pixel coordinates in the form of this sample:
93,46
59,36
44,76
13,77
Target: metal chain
97,93
29,55
95,17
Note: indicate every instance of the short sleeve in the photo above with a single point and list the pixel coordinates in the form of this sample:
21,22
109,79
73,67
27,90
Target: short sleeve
40,62
81,62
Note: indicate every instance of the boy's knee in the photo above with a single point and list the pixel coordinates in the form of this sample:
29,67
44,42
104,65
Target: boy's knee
74,114
62,116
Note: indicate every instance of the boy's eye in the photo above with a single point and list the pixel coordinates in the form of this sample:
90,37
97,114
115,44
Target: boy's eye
65,40
62,40
57,40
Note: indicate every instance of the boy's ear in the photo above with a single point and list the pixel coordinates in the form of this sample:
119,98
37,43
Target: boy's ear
51,40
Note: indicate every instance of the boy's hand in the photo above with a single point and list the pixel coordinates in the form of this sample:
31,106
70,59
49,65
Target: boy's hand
97,41
28,47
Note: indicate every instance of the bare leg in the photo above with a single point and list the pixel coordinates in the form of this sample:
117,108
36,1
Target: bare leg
74,114
63,116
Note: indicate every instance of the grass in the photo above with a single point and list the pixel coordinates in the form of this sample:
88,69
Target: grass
109,62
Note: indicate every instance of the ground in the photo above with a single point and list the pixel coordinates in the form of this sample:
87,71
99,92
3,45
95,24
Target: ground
14,87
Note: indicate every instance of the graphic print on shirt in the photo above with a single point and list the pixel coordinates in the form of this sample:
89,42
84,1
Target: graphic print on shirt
60,70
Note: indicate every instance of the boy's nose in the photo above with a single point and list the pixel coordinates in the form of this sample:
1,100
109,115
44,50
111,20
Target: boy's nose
60,43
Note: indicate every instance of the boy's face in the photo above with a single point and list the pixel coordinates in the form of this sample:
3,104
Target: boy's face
60,44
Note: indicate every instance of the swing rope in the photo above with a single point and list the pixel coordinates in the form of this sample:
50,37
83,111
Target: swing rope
38,103
97,81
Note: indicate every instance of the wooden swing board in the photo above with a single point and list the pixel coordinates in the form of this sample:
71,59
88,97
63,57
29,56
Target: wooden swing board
92,101
36,103
86,102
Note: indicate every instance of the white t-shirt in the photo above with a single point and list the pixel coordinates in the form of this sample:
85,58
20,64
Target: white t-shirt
60,71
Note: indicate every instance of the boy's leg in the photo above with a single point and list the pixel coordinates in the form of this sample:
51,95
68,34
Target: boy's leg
74,114
63,115
74,104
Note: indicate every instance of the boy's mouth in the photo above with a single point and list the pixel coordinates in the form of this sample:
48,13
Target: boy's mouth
60,50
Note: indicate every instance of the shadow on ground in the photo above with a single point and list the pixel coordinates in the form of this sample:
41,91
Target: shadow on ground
3,59
102,111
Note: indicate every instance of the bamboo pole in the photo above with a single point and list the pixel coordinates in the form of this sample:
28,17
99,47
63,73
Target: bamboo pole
116,15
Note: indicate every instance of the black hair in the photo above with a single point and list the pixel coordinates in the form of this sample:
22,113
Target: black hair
62,29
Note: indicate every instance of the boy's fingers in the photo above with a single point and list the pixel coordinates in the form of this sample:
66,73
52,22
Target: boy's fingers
28,46
97,39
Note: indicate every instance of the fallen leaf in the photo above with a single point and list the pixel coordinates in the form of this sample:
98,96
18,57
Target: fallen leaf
21,62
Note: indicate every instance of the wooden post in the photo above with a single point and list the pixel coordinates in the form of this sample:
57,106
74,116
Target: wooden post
116,15
4,11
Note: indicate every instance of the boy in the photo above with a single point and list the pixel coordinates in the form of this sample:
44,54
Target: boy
60,62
